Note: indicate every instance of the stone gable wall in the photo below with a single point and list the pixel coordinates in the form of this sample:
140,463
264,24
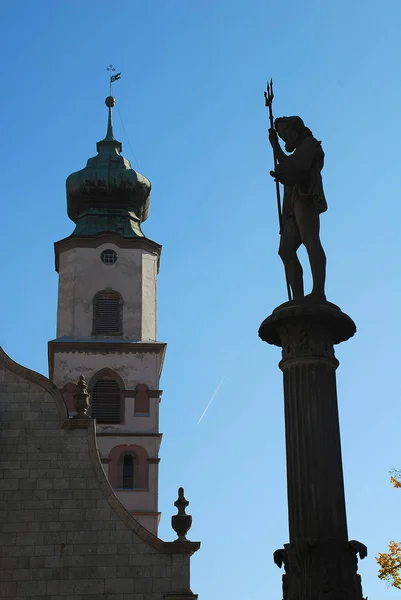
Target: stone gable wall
63,533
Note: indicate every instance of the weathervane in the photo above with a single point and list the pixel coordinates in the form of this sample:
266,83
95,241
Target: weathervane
113,78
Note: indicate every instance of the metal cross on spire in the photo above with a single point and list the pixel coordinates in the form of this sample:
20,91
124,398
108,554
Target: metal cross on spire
113,78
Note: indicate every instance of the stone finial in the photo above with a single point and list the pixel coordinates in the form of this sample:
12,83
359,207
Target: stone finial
181,522
81,399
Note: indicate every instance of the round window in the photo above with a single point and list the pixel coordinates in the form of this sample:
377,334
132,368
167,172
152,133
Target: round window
109,257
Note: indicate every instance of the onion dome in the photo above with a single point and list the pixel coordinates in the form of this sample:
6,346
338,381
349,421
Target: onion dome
108,195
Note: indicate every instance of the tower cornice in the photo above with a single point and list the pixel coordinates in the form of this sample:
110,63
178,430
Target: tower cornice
94,241
103,347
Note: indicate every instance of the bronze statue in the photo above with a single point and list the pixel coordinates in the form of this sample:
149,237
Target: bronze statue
304,200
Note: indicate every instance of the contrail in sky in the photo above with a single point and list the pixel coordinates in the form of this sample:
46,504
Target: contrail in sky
212,398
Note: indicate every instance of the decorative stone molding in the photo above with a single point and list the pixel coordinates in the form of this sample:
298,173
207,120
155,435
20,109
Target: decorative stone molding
105,347
305,340
129,393
105,238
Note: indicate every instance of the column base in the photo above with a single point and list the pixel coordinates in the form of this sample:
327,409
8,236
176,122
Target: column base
321,569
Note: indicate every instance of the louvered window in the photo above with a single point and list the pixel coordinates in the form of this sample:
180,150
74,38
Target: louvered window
107,314
106,401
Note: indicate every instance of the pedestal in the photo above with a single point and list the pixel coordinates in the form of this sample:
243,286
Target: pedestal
319,560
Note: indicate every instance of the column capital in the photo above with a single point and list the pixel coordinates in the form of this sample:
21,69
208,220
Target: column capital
307,330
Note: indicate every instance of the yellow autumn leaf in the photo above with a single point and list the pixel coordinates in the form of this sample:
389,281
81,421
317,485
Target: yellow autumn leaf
390,562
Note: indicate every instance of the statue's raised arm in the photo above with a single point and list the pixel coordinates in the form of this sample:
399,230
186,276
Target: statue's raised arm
304,200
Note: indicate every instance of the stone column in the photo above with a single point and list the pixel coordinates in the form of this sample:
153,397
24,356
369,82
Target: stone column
319,560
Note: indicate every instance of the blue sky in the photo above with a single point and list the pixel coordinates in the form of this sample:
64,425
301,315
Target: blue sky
191,103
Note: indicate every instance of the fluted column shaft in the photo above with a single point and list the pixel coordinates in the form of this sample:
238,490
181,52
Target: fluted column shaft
319,560
316,503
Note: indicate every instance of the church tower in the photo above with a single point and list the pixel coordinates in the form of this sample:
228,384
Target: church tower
106,321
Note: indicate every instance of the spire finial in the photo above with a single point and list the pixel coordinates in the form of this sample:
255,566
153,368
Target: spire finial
111,102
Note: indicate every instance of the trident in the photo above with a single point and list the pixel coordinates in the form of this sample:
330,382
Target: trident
269,103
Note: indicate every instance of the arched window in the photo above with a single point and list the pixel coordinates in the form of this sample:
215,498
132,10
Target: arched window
105,397
129,467
107,313
128,472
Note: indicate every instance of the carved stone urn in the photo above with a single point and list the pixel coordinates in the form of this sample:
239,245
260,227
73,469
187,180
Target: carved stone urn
181,522
81,399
